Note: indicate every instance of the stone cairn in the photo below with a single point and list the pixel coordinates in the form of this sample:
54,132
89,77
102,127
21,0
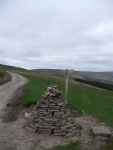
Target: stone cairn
50,115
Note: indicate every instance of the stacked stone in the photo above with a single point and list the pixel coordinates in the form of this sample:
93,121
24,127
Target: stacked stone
50,115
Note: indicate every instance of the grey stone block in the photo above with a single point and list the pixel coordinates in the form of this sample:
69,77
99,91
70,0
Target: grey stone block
52,104
62,133
72,129
101,131
66,126
59,131
72,133
57,114
60,104
50,119
53,110
43,106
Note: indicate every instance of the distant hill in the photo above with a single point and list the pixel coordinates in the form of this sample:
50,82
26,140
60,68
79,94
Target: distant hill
6,67
54,72
95,74
49,70
105,77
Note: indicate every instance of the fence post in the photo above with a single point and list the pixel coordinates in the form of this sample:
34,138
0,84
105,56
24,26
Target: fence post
66,87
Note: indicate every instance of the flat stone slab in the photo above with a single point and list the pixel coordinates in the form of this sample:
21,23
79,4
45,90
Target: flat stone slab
45,131
101,131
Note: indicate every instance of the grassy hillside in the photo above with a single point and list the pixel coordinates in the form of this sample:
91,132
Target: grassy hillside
95,74
4,77
97,103
104,77
2,74
55,72
48,70
6,67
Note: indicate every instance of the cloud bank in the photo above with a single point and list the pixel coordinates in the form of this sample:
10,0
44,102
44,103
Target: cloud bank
57,34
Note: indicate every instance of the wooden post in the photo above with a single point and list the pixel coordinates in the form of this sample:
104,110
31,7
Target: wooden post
66,84
66,87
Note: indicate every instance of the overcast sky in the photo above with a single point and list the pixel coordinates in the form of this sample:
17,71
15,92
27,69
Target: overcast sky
57,34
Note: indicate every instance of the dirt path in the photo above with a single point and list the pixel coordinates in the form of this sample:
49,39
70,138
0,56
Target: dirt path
6,92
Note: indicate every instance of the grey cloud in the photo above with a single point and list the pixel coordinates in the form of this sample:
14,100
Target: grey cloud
57,34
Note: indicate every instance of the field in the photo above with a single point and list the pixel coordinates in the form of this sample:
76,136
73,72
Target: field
98,103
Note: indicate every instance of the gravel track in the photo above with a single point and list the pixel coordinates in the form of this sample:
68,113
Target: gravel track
6,93
7,90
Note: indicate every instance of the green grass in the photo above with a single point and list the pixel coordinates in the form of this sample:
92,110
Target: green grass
36,86
71,146
97,103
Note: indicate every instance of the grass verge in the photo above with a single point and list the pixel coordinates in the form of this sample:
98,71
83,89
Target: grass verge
2,74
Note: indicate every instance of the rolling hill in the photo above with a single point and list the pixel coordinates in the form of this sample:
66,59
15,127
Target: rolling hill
7,67
105,77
